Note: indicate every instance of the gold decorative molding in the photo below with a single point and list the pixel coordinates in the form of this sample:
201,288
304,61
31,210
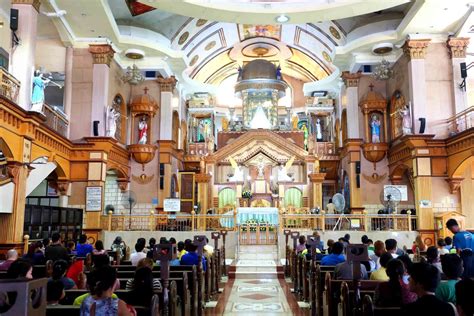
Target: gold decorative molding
416,49
351,79
35,3
143,178
454,184
202,178
375,178
102,53
316,177
167,84
457,46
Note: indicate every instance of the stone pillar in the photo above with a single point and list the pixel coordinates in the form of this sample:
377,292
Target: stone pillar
167,86
422,186
203,180
457,47
415,50
102,55
316,180
11,225
351,80
23,55
68,83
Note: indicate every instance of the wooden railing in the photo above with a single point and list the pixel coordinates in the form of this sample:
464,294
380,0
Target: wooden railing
55,120
360,222
9,85
211,222
461,121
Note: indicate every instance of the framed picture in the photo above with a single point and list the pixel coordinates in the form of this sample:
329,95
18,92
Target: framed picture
93,199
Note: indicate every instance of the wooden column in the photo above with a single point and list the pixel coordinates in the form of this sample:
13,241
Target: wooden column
203,181
316,180
352,154
11,225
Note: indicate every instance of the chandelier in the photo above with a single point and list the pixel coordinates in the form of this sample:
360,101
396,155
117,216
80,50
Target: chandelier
133,75
382,71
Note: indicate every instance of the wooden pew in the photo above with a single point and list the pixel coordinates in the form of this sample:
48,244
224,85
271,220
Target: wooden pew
368,309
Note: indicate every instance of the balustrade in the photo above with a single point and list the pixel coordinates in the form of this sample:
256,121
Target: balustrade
461,121
9,86
55,120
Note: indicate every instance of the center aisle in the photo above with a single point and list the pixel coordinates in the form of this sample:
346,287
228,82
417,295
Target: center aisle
256,285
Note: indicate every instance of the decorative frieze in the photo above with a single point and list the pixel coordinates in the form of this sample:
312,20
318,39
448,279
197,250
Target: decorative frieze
351,79
167,84
416,49
102,53
457,46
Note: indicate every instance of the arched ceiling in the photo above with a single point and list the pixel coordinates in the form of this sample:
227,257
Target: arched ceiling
203,42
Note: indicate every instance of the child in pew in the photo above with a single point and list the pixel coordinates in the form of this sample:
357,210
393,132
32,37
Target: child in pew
335,257
143,288
54,292
192,258
381,273
100,301
144,263
452,269
119,244
181,250
99,248
59,273
395,292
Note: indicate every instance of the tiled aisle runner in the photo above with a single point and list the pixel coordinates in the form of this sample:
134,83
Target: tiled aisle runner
256,289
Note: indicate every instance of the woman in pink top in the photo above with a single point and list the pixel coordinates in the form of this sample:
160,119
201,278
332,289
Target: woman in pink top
99,248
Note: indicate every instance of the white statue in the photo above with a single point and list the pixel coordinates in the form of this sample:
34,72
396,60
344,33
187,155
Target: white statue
319,133
283,171
375,129
238,172
142,131
112,116
406,119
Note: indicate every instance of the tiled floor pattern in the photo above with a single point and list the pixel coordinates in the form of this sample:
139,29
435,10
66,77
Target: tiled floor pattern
257,297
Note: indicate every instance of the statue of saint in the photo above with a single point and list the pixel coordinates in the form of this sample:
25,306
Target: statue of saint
142,131
319,133
112,116
316,164
225,124
294,122
406,119
37,96
239,76
375,128
278,73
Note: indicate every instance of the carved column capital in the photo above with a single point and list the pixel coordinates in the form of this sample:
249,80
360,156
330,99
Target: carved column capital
454,184
101,53
416,49
123,185
202,178
13,170
457,46
351,79
62,187
35,3
167,84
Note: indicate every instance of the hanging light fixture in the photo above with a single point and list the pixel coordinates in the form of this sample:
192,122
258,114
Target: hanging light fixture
133,74
383,70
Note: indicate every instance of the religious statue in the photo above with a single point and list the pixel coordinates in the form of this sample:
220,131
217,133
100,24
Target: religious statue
112,116
316,164
37,96
294,122
319,134
283,171
210,144
278,73
304,128
406,119
142,131
239,76
225,124
238,172
375,128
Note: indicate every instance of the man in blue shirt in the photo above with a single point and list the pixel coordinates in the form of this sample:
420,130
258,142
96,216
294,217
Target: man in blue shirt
83,248
335,257
192,258
463,241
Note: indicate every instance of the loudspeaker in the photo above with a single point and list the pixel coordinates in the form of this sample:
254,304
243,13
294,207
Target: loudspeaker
463,70
96,128
14,20
358,181
422,124
357,167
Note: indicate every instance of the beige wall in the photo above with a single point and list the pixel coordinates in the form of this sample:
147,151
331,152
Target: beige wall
399,81
296,85
81,94
5,34
467,196
51,55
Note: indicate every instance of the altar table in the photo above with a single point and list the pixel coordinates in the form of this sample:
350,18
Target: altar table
266,214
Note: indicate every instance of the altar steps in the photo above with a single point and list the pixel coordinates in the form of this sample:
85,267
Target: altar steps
256,262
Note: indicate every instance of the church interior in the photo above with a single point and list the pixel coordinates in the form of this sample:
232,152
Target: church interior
259,135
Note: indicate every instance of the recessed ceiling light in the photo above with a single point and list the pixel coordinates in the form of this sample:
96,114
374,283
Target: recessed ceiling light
84,14
282,18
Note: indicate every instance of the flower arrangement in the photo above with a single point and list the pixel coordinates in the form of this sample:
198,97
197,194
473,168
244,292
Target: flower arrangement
247,194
